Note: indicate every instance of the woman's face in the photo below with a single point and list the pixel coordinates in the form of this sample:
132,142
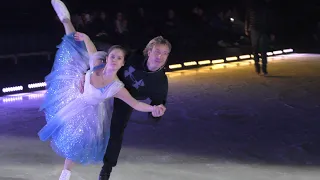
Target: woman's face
115,60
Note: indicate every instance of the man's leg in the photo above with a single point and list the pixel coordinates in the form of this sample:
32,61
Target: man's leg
255,36
264,41
120,116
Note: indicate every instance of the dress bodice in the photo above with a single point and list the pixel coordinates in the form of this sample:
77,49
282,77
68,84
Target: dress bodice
95,95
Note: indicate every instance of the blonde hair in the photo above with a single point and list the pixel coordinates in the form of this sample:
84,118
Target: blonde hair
97,56
155,41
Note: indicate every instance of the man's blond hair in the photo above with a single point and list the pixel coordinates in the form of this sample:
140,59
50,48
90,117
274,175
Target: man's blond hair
155,41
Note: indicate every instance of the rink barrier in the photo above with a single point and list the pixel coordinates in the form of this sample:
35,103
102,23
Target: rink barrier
172,67
195,64
15,57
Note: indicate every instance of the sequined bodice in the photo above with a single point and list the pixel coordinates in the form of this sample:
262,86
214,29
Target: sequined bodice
96,95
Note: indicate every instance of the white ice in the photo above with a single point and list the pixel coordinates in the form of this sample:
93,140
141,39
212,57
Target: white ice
225,123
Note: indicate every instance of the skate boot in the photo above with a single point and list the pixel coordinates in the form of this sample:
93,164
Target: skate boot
65,175
60,9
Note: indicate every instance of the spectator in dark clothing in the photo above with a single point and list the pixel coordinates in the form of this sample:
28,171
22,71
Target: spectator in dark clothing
258,25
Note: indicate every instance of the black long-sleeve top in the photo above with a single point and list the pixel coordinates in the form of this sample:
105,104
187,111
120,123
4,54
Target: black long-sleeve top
260,17
142,83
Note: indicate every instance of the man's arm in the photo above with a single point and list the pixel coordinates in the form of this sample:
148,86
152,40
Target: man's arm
159,97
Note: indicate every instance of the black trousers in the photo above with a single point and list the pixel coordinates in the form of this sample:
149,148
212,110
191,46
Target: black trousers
259,42
120,117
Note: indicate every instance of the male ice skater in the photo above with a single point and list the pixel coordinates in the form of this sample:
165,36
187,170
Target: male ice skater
144,77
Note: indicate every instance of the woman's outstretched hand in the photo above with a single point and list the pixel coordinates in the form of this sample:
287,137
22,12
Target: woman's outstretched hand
78,36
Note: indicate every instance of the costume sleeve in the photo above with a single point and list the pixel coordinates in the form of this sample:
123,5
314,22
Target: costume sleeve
159,96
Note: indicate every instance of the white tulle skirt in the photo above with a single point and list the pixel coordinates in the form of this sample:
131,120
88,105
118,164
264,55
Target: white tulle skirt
77,130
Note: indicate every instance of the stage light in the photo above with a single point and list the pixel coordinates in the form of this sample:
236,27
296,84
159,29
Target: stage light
37,85
12,89
288,50
204,62
277,52
192,63
269,54
244,57
234,58
217,61
175,66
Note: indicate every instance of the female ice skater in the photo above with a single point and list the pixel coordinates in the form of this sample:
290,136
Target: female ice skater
78,123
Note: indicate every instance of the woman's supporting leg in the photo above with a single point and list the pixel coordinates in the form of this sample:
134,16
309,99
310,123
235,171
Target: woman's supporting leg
64,15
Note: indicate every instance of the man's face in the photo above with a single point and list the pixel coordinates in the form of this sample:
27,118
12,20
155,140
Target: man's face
158,56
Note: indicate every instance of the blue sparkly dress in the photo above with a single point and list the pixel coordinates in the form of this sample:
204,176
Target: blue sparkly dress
77,124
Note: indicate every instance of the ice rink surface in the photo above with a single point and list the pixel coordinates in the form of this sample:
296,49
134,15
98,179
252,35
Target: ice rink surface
222,123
